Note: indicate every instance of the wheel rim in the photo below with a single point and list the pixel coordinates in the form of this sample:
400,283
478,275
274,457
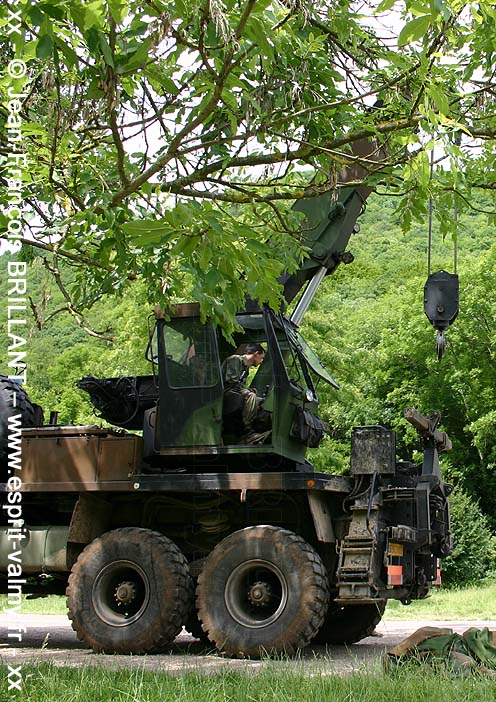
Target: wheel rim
120,593
256,593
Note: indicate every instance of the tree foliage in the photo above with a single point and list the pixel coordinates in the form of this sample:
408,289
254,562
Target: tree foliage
474,553
163,138
371,331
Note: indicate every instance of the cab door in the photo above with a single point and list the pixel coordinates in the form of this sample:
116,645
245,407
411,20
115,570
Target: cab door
190,407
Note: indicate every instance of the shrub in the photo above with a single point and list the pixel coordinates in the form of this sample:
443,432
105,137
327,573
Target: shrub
474,554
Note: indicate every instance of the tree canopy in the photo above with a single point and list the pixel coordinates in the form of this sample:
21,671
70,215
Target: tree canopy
166,140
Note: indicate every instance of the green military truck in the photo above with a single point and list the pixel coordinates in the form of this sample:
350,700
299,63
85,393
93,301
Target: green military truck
173,518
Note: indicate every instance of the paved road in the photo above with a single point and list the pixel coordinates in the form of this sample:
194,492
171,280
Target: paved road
49,638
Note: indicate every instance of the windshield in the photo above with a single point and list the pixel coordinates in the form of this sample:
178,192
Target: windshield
299,343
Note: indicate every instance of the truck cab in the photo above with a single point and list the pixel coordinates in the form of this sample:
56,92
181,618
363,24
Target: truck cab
192,410
183,409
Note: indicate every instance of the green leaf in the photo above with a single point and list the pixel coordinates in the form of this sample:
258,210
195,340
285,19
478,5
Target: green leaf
440,7
186,245
139,226
44,48
70,55
94,91
118,9
414,30
138,28
36,15
78,15
52,9
417,7
94,14
440,100
385,6
106,50
204,257
168,85
258,32
214,278
139,57
88,16
92,39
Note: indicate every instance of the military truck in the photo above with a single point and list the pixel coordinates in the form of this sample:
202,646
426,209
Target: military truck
173,517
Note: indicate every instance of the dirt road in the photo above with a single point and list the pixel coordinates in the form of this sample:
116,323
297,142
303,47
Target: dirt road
49,638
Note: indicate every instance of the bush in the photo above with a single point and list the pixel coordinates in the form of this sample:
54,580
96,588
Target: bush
474,553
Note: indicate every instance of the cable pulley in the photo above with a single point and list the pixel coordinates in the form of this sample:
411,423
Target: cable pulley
441,290
441,293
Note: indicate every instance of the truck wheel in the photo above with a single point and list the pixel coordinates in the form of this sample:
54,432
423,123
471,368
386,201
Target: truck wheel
3,432
31,416
24,407
129,592
347,625
262,590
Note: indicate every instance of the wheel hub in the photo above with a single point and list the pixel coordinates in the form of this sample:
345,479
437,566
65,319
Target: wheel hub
256,593
120,593
125,592
260,594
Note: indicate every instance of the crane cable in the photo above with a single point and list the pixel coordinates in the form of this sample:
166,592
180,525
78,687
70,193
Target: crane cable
431,208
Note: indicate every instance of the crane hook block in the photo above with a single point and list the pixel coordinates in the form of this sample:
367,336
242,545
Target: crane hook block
441,304
441,299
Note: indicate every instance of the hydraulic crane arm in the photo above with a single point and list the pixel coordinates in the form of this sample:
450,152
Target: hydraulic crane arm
330,220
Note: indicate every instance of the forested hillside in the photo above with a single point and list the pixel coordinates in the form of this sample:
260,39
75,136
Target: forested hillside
370,329
368,326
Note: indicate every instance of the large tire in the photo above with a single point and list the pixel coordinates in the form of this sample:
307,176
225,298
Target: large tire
347,625
262,590
3,429
129,591
193,624
31,414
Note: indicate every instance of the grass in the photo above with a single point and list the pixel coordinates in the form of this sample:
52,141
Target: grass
52,604
467,603
46,683
305,683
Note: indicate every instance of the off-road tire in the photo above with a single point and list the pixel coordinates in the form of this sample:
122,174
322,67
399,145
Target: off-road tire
3,429
146,569
193,624
347,625
29,414
262,590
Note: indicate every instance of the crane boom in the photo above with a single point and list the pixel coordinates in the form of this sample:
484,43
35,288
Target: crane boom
330,220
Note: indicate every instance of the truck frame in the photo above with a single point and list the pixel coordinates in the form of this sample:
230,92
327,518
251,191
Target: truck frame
191,523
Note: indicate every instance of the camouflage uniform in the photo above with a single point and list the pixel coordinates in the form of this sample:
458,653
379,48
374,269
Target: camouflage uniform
235,372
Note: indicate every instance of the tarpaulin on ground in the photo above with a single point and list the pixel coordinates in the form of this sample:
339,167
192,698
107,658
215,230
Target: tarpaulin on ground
475,649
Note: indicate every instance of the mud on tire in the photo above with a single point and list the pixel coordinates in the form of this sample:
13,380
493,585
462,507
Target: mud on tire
129,591
262,590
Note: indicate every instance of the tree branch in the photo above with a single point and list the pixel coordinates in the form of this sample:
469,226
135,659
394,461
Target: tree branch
77,258
71,308
112,102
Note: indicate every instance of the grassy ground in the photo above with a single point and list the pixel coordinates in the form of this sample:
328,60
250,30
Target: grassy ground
468,603
46,683
53,604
